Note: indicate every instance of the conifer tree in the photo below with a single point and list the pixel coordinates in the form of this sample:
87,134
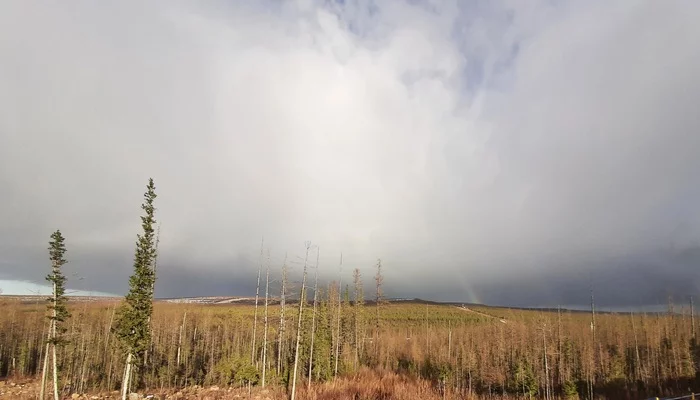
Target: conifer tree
58,312
132,325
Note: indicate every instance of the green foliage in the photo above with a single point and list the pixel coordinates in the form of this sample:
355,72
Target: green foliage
322,366
57,303
132,318
524,377
570,390
436,371
235,370
616,371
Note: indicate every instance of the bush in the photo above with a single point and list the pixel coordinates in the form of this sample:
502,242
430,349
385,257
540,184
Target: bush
237,370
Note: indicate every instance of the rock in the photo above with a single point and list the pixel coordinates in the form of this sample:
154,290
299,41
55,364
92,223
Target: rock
135,396
75,396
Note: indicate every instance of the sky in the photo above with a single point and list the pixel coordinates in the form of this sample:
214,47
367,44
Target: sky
504,152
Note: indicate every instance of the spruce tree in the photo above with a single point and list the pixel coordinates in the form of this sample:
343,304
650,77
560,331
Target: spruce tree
58,312
132,325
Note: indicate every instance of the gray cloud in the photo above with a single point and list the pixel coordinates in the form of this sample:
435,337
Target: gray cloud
497,151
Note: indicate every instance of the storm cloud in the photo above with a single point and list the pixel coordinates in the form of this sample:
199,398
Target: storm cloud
498,151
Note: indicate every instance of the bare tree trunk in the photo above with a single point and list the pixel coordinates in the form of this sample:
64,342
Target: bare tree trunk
449,343
340,302
359,302
379,279
546,363
692,319
427,333
301,309
313,320
55,371
46,362
595,345
179,340
53,345
257,296
267,291
283,300
111,359
638,370
127,376
560,364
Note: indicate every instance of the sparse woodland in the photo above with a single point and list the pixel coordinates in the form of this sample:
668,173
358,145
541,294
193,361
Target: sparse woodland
327,341
455,351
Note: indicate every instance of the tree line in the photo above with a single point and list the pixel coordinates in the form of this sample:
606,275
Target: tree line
296,337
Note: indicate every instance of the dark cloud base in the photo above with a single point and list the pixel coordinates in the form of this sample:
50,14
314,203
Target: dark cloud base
640,282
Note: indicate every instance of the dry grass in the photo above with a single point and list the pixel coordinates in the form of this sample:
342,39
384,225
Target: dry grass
474,351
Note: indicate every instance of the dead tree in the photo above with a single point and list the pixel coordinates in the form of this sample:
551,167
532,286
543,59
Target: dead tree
359,301
337,334
595,346
257,296
267,291
692,319
546,362
379,279
280,332
313,319
179,339
301,310
638,369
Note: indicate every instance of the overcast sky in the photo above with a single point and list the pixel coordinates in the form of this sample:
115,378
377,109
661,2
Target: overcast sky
505,152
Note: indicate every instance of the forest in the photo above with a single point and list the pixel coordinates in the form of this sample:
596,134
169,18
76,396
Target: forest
315,340
449,351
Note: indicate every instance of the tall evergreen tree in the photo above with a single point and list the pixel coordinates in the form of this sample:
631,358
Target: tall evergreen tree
132,325
58,312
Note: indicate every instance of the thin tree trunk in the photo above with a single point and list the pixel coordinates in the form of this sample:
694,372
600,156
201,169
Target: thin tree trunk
107,355
179,340
313,320
55,372
301,309
267,291
53,345
280,334
379,279
427,334
46,362
692,319
546,363
449,343
340,302
560,364
638,368
127,376
595,345
257,296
